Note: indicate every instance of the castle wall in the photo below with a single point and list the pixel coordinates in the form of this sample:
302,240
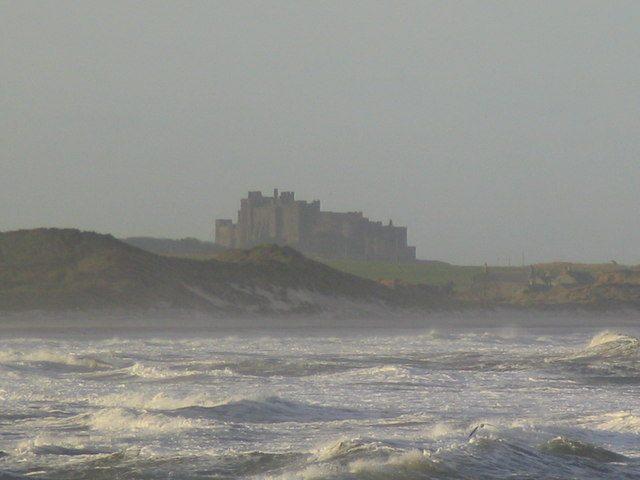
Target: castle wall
225,233
264,226
291,220
258,221
347,224
283,220
388,243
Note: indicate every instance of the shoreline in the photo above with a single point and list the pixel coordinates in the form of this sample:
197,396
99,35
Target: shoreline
184,321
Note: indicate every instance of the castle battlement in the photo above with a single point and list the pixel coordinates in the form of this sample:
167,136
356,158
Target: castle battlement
283,220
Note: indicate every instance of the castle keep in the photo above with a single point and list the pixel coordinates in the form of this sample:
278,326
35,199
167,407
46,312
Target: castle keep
283,220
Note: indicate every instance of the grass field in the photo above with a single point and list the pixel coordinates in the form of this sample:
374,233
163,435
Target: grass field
432,273
440,273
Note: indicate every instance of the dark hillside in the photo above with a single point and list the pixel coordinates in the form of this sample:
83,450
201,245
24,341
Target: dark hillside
65,269
183,247
288,267
69,269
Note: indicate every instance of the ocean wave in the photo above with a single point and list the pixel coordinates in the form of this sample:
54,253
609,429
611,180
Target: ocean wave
481,361
258,409
146,401
131,420
267,410
142,371
609,358
141,463
368,459
611,345
412,464
30,413
390,371
265,367
44,444
120,464
121,419
352,449
63,449
242,464
52,360
564,457
12,476
484,457
566,446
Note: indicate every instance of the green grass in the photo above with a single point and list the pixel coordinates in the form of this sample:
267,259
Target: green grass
432,273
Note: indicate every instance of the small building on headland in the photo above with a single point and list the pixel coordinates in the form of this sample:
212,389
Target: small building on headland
283,220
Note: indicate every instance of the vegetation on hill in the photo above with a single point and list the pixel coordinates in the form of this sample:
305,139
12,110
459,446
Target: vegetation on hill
62,269
185,247
549,285
263,255
284,266
65,269
565,285
69,269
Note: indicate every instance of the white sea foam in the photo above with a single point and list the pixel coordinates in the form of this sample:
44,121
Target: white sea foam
393,371
156,372
442,430
412,464
622,421
338,449
125,420
365,460
53,357
151,401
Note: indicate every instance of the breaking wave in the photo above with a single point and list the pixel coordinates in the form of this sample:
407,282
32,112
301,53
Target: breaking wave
154,373
614,344
609,358
352,449
47,360
486,457
120,419
132,420
145,401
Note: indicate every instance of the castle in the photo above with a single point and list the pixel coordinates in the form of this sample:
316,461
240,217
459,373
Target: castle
283,220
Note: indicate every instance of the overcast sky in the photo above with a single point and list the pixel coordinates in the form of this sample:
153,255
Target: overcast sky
491,129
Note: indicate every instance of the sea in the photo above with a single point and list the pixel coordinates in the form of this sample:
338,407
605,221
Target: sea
339,402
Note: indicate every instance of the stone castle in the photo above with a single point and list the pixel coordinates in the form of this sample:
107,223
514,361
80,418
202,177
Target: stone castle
285,221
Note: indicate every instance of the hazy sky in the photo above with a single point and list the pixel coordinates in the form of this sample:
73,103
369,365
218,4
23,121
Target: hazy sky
488,128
